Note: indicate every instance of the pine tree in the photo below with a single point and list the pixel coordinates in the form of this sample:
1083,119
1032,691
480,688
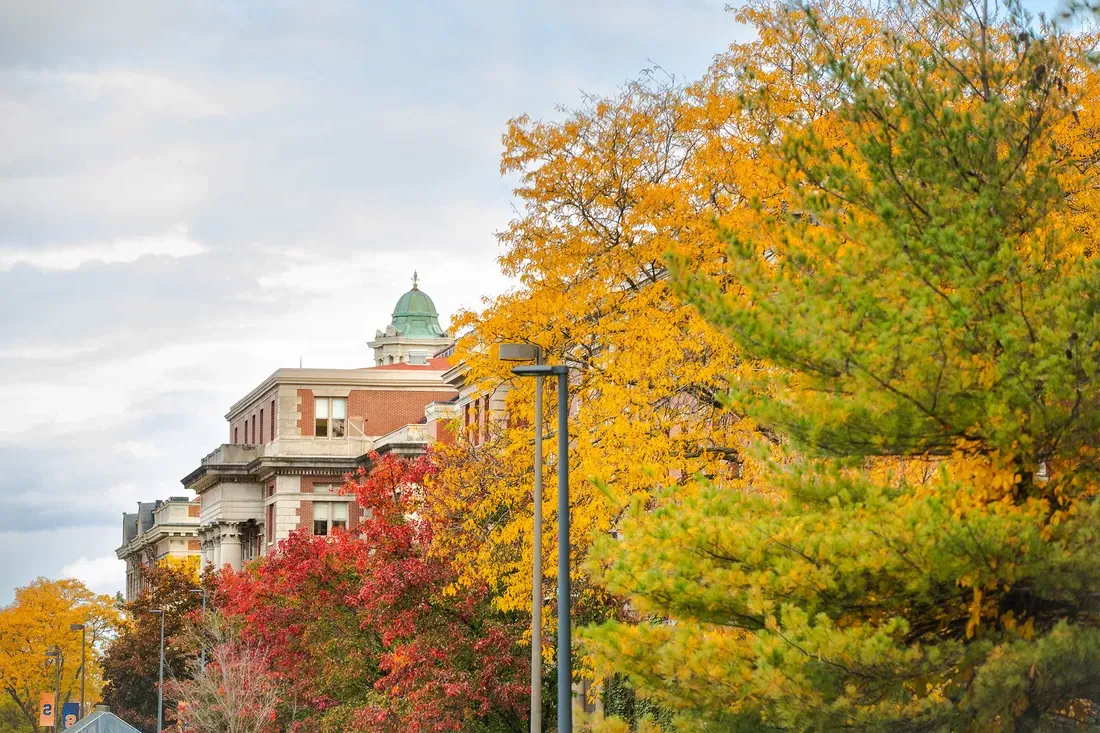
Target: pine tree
923,300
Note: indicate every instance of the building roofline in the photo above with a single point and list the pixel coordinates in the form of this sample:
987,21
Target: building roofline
381,339
456,375
155,534
366,377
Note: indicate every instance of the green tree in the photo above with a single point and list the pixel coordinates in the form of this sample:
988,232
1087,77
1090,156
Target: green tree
924,303
131,665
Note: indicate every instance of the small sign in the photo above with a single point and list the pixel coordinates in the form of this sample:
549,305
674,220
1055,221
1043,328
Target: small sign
45,709
70,714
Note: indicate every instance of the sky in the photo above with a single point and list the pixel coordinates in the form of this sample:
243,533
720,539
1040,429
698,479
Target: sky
198,192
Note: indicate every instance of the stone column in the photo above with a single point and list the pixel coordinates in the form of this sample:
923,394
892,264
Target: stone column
207,546
216,549
231,545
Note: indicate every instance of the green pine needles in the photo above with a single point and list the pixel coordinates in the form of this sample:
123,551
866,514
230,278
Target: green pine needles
915,549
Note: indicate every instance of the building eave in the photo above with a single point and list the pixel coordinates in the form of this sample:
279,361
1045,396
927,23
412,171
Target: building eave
420,379
265,467
205,476
456,375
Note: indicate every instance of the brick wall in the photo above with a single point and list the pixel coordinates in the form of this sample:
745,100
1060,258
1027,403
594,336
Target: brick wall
305,516
193,510
383,411
377,411
248,423
441,432
305,409
194,545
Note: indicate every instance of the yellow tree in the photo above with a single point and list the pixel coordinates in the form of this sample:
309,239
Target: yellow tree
606,193
594,293
923,291
39,620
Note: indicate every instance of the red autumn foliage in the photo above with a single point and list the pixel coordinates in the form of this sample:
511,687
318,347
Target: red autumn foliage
362,633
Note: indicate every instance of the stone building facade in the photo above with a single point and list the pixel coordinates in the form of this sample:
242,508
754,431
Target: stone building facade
291,439
320,425
158,530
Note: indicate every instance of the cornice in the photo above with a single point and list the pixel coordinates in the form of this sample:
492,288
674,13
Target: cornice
208,474
155,534
268,466
456,375
261,469
419,379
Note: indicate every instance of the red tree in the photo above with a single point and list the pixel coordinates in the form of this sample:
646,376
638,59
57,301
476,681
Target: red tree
362,629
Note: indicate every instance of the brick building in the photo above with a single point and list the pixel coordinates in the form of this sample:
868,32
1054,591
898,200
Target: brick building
292,438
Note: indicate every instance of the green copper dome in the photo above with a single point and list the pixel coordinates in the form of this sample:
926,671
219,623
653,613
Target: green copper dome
415,315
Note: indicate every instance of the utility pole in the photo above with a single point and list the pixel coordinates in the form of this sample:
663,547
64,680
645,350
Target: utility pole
202,650
58,658
83,629
160,686
565,662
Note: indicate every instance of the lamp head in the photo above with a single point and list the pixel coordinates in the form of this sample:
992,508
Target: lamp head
540,370
518,352
76,627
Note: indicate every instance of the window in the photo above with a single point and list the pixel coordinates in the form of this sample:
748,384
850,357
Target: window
340,515
273,419
320,518
270,523
235,434
329,516
246,430
253,426
261,424
476,427
330,415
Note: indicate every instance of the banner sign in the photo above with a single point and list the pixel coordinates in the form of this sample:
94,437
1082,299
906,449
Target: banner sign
45,710
70,714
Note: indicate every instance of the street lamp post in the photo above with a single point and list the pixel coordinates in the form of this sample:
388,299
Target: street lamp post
58,658
160,686
530,352
83,629
565,667
202,649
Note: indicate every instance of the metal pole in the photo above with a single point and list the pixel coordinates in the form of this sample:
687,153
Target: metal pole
202,648
565,667
536,579
57,695
83,665
160,688
202,651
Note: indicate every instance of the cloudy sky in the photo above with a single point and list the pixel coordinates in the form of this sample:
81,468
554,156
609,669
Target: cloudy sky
195,193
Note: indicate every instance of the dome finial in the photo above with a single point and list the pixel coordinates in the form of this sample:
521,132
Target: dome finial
416,280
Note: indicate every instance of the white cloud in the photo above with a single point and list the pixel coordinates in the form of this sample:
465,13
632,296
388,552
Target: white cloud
125,494
69,257
310,156
47,353
138,449
150,91
105,574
